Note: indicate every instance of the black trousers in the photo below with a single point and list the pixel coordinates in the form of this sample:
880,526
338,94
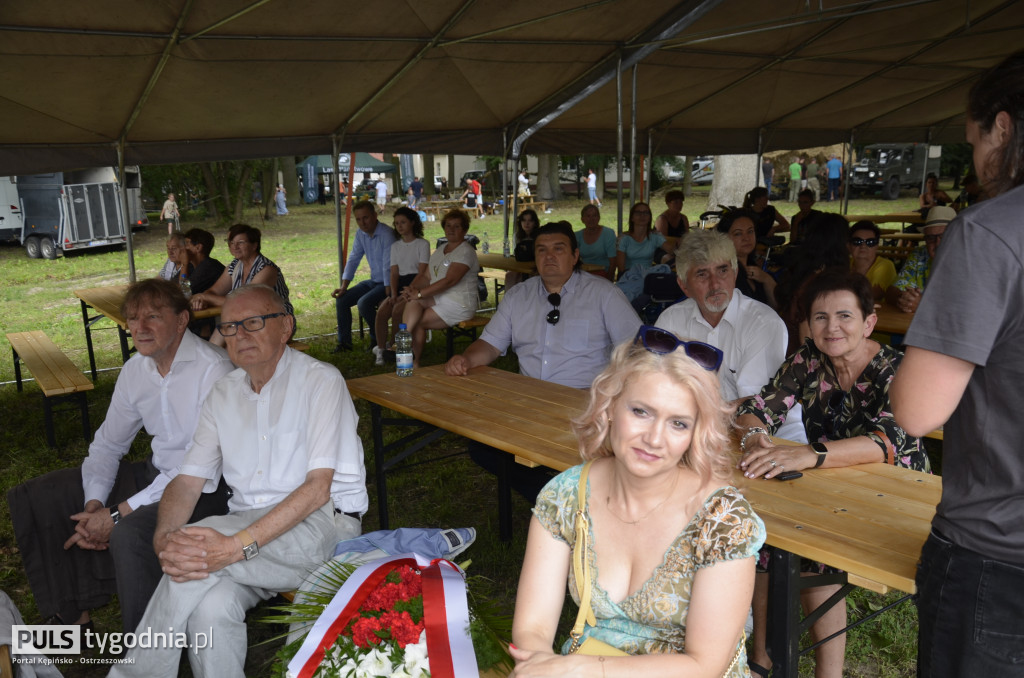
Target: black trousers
69,582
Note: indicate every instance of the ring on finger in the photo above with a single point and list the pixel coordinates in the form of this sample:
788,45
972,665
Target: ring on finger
772,462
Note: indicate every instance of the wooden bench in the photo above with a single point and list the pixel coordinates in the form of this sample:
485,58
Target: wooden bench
499,281
299,346
56,375
465,329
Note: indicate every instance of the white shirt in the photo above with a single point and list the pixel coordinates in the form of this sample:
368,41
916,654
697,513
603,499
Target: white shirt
167,272
753,338
382,190
408,256
591,180
265,443
167,406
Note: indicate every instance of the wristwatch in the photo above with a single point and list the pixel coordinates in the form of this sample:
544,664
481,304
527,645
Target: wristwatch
115,515
821,451
250,549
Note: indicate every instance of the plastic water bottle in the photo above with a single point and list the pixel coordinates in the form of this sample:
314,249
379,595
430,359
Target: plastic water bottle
186,286
486,246
403,352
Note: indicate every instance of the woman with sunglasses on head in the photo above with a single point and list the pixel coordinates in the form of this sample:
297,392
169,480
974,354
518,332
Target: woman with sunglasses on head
864,259
666,546
450,295
841,378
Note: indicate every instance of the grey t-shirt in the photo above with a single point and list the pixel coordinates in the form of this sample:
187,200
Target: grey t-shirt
972,310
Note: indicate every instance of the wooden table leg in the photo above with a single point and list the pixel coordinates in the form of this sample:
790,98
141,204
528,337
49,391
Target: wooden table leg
784,613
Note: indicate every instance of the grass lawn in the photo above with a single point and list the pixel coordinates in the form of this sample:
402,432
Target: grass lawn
453,492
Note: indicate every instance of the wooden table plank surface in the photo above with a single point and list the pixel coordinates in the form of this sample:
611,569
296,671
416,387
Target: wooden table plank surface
892,320
869,520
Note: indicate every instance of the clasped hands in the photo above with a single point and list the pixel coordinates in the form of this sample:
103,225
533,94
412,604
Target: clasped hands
92,532
193,552
410,294
764,458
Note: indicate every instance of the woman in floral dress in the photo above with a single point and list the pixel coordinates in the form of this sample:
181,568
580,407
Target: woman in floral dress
671,544
841,377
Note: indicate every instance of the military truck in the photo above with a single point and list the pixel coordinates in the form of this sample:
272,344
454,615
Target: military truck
68,211
891,167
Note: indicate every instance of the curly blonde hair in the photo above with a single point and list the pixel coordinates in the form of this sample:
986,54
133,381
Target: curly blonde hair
710,454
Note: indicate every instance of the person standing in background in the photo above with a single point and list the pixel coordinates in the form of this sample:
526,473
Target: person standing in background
962,371
169,214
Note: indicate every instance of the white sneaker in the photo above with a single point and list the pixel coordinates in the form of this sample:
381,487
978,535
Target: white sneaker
378,355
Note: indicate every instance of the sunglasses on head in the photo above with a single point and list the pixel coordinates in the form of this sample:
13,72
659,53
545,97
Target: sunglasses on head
554,315
662,342
867,242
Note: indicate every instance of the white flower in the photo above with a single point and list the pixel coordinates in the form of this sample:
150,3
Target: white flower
416,662
374,663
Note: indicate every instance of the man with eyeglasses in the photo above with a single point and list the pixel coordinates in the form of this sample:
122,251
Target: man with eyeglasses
281,432
85,533
750,334
906,292
562,324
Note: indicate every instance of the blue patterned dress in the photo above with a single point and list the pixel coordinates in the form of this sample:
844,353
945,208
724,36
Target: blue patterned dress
653,619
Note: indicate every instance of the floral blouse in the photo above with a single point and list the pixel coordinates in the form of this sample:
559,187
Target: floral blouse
654,618
809,378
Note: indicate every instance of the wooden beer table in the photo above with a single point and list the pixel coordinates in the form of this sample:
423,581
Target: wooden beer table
870,520
892,320
106,301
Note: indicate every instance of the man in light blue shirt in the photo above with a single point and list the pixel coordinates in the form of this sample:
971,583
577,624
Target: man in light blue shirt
835,176
373,239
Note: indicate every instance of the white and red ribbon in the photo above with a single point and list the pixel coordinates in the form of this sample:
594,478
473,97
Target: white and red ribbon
445,616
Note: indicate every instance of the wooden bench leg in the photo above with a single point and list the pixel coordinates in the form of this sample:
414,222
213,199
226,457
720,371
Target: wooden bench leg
83,404
17,368
51,438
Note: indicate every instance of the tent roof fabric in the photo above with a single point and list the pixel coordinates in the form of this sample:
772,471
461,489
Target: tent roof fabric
183,80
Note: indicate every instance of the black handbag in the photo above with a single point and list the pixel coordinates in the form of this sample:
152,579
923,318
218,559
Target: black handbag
524,250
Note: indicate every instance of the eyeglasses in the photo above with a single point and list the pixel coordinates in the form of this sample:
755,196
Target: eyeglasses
554,315
836,402
934,238
657,340
251,324
864,242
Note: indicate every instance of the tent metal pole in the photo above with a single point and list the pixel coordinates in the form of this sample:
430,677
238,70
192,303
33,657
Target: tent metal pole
618,138
632,139
124,210
650,167
849,171
336,191
758,175
924,165
504,194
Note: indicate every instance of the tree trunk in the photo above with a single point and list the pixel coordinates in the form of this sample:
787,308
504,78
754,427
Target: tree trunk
243,189
211,190
293,195
398,182
544,180
734,177
688,177
554,178
452,186
269,182
428,171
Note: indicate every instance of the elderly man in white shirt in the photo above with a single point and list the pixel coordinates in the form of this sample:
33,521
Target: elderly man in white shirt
281,431
751,335
106,510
